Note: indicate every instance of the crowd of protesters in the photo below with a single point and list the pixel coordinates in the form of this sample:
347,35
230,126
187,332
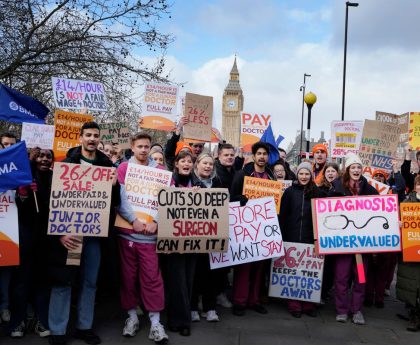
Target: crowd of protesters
180,285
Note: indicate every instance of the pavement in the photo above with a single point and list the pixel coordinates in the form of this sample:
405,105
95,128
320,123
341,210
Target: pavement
382,327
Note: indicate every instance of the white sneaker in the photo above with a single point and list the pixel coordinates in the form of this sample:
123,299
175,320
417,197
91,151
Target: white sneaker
131,327
341,318
211,316
358,318
41,330
5,315
195,316
223,301
158,334
19,331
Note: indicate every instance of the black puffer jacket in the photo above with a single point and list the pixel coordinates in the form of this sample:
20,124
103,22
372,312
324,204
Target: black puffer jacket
225,175
296,213
339,190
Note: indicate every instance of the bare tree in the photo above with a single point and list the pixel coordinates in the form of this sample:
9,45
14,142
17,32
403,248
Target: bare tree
95,40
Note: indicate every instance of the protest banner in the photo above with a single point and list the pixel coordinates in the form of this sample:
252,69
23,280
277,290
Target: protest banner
115,132
37,135
9,230
142,185
80,200
357,224
253,127
382,188
298,274
159,106
67,131
410,218
78,94
15,170
193,221
199,110
345,137
254,234
379,144
414,131
255,188
285,184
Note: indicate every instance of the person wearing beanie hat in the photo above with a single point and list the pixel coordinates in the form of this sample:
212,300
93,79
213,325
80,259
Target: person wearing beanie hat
320,154
180,145
296,222
380,175
351,183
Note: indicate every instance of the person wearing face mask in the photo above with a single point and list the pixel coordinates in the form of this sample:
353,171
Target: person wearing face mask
180,268
30,277
206,281
296,222
351,183
156,153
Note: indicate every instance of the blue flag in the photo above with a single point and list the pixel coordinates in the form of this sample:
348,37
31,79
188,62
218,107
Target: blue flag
268,138
15,170
279,140
17,107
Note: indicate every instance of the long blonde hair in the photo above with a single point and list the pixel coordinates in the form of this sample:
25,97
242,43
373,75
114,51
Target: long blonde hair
200,158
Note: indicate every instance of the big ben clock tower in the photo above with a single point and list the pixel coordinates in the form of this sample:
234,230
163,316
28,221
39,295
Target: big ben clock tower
233,104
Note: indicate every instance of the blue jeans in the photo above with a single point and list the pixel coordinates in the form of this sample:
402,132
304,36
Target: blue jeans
59,310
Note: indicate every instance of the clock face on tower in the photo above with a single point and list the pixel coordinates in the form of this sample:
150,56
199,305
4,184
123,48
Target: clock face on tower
231,104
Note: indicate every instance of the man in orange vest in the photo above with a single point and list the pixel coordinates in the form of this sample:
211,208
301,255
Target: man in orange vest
320,154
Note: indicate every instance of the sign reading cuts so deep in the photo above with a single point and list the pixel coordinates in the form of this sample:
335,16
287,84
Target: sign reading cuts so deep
193,221
80,200
357,224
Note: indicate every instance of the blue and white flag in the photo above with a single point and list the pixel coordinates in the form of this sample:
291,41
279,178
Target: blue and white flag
15,170
268,138
17,107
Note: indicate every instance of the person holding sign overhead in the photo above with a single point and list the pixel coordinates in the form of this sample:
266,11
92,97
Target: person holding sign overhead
351,183
63,276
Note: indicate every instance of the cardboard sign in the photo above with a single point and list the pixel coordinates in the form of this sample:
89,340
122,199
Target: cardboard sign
67,131
254,234
80,200
36,135
78,94
255,188
379,144
199,110
160,106
414,131
253,127
382,188
401,120
9,230
357,224
298,274
142,185
410,218
118,131
345,137
193,221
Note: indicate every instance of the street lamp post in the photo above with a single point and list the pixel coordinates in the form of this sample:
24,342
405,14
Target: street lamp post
310,100
348,4
302,88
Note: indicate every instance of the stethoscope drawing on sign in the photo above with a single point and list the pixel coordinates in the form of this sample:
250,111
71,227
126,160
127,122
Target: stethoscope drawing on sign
340,222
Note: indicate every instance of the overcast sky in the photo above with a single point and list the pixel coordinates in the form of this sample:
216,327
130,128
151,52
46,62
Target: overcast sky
278,41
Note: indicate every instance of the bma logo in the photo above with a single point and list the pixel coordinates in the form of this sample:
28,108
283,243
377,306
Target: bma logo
13,106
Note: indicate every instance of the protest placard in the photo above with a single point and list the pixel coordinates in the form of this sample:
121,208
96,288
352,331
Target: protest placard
159,106
345,137
410,218
115,132
379,144
298,274
254,234
9,230
285,184
401,120
193,221
253,127
199,110
382,188
67,131
142,185
78,94
255,188
80,200
37,135
357,224
414,131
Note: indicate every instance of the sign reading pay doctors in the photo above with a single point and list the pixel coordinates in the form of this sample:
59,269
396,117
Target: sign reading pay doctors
357,224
